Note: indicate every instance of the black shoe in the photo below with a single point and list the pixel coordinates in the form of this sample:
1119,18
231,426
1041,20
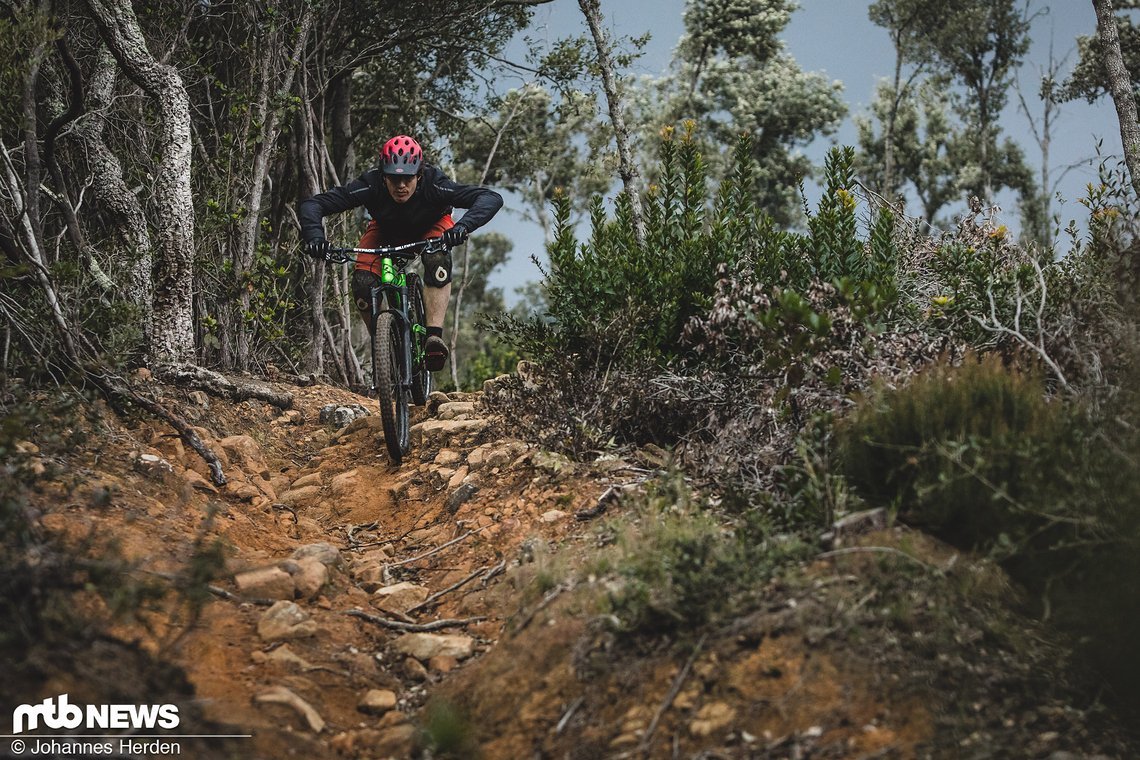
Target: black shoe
435,353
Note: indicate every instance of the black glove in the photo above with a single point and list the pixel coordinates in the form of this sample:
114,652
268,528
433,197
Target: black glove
319,248
456,235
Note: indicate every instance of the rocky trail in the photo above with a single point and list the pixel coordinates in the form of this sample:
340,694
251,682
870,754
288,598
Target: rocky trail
362,610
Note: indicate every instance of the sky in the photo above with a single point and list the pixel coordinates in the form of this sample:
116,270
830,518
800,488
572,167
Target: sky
835,38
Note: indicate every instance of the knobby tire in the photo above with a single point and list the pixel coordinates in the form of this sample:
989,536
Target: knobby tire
387,353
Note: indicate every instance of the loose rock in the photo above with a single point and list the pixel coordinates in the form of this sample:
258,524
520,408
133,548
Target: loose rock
152,466
377,702
711,718
399,597
266,583
424,646
285,620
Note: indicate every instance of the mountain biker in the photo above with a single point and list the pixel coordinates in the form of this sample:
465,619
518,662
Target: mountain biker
409,200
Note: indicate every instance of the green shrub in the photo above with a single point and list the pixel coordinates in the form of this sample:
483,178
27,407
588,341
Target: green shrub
678,565
448,732
964,451
977,455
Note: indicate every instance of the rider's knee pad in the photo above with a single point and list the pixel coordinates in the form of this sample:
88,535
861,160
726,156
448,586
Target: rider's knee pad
362,283
437,269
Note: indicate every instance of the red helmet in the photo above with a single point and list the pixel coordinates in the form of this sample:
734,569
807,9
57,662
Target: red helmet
401,155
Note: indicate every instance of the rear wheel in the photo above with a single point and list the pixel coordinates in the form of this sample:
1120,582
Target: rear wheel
387,359
421,378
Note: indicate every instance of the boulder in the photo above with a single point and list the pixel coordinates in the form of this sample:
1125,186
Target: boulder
461,496
448,458
247,453
345,483
312,479
339,416
324,552
442,432
311,577
456,410
300,497
198,482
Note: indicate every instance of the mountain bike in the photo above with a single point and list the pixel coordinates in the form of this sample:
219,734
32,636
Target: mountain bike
398,338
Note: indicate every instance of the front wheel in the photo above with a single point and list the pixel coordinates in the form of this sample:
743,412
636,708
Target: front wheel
421,378
387,361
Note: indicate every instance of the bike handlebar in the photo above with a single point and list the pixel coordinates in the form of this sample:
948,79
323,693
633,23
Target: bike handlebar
405,252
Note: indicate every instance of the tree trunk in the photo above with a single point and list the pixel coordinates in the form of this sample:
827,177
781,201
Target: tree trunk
172,340
1120,85
309,185
453,349
343,146
111,191
892,119
630,176
268,117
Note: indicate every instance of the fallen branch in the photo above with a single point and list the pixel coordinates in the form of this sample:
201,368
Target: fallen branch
496,570
546,600
436,550
432,599
607,496
678,682
216,591
397,625
192,376
573,708
283,696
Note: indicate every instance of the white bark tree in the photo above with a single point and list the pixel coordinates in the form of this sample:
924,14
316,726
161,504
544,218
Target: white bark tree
111,190
630,175
172,333
1120,85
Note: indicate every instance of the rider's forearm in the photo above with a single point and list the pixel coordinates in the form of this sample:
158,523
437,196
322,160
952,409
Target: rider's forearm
482,209
312,210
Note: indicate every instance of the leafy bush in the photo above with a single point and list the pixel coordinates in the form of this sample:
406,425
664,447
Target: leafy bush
980,457
663,343
966,451
677,565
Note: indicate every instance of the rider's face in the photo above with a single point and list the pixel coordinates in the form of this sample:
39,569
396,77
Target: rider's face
401,187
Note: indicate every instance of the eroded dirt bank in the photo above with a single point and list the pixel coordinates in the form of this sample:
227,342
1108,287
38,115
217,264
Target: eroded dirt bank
349,594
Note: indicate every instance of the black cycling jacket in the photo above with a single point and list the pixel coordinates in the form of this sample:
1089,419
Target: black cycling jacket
435,196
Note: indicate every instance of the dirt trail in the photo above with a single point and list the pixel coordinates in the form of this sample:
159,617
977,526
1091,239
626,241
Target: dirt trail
321,533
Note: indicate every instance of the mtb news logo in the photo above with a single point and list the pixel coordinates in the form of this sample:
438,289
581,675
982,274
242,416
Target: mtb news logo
57,713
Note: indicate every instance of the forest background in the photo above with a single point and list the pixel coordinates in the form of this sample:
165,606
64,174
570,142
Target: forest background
239,108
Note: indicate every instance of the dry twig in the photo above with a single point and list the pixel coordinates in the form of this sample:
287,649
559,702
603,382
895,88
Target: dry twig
398,625
434,597
678,682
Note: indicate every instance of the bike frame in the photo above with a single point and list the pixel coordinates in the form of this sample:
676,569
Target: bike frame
391,295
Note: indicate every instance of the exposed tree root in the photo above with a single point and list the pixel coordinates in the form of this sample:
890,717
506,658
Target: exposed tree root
117,391
192,376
